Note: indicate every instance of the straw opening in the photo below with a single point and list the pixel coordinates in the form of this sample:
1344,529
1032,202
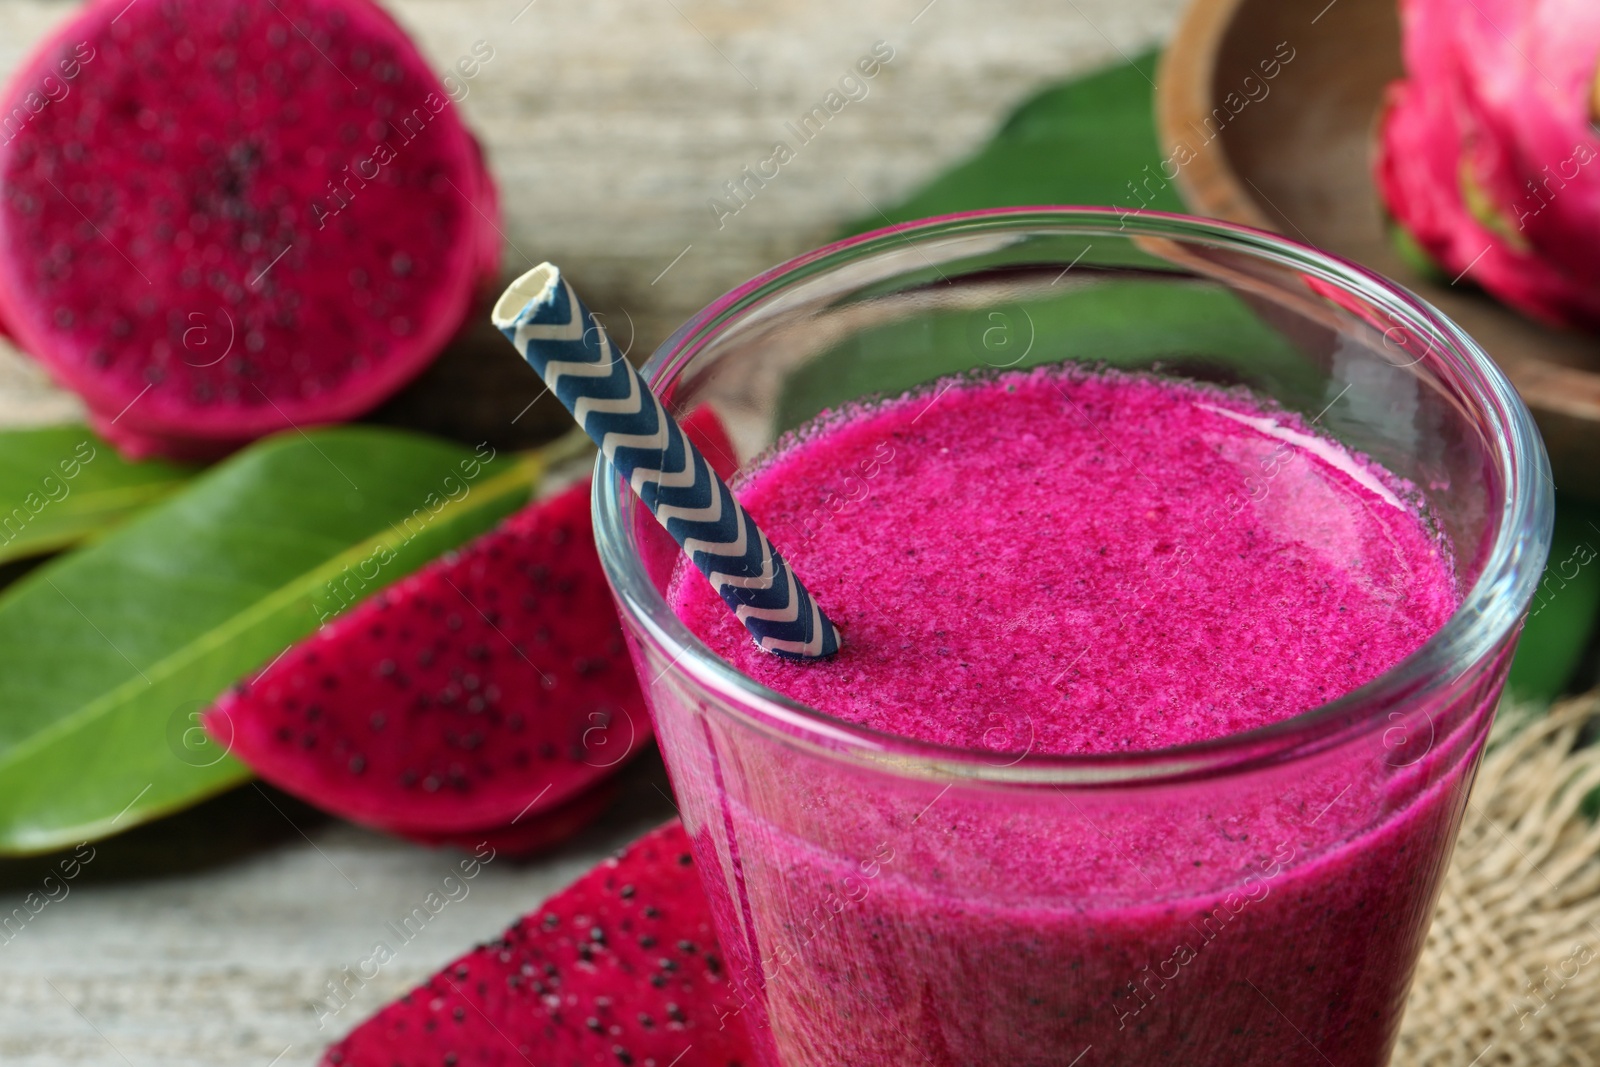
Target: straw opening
536,286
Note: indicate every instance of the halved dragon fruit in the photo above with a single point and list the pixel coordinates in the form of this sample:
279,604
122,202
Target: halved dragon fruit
621,968
1489,157
219,219
480,699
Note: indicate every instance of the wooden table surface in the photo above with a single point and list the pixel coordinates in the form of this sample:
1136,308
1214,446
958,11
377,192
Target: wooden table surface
207,939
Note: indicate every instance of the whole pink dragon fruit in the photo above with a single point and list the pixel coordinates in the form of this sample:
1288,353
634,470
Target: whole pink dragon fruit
1489,156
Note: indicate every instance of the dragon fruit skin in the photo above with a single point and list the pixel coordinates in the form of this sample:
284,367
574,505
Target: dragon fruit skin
1487,156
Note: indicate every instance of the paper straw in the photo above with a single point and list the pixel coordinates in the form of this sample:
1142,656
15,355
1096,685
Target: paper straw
547,323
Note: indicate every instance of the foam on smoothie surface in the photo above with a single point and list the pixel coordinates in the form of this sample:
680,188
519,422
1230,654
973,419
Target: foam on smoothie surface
1075,562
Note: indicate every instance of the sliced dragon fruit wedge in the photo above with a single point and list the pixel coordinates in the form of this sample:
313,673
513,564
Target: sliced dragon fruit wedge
478,699
490,681
220,219
620,968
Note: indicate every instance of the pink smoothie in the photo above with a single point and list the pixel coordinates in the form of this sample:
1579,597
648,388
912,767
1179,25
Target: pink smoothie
1057,562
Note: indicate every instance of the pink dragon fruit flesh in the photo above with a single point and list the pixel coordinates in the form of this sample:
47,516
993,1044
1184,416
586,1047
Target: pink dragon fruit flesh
621,968
219,219
485,690
1488,155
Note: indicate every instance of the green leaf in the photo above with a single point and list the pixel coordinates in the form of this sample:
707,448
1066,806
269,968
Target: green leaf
1128,323
61,484
1413,255
1091,140
108,653
1561,621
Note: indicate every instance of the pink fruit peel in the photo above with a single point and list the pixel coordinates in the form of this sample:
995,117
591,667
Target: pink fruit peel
1487,151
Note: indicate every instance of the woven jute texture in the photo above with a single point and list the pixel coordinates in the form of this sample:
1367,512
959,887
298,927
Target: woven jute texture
1511,971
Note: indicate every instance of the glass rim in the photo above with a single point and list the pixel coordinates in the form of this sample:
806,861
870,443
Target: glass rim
1490,609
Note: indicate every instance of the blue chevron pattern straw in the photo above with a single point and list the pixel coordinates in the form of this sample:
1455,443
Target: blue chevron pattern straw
546,322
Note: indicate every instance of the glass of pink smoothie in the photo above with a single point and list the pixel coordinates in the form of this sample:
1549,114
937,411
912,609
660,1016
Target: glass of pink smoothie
1178,569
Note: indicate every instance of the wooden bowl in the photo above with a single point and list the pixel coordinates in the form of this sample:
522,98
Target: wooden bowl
1296,158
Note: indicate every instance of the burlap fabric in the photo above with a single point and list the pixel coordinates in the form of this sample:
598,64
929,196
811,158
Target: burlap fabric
1511,971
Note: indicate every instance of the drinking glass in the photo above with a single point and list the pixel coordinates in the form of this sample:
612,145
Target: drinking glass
1258,898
